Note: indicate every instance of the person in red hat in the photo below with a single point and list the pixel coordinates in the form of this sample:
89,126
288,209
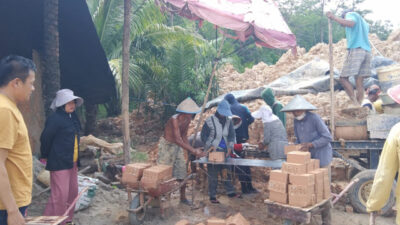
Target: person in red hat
388,166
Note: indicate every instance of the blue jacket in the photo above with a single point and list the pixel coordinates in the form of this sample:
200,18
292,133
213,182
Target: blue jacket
242,132
58,139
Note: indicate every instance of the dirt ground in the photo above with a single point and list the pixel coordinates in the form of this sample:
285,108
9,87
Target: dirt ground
109,207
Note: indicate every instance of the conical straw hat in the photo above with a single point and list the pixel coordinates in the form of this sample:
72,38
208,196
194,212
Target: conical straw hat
394,93
188,106
298,103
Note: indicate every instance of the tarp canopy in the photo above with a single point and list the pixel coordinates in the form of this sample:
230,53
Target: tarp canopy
259,18
83,64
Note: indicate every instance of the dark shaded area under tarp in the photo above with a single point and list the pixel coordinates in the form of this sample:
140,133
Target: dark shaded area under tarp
83,63
312,77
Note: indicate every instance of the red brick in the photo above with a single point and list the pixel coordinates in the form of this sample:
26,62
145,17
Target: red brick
327,188
290,148
294,168
301,189
153,176
279,175
278,197
298,157
319,184
302,179
277,186
216,156
325,170
237,219
133,173
300,200
316,163
183,222
216,221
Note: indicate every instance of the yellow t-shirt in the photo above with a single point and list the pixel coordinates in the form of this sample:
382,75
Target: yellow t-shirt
14,138
76,149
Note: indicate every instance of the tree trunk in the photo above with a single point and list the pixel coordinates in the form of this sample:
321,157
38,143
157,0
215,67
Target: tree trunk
50,54
90,115
125,80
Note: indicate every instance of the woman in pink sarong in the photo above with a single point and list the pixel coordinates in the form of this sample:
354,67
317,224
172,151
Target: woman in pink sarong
60,149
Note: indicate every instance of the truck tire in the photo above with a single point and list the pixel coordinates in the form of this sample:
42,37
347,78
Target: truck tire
139,217
359,193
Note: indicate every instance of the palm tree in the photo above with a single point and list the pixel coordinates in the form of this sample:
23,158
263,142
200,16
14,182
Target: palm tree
50,54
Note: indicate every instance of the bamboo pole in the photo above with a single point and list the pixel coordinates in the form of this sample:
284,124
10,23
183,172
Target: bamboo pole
332,81
208,92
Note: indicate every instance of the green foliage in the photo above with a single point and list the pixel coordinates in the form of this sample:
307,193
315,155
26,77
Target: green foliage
381,28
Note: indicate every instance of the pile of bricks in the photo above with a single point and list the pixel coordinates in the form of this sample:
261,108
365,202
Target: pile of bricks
132,174
301,182
154,175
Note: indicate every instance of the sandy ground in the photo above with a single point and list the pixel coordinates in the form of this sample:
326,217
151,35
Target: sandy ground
110,204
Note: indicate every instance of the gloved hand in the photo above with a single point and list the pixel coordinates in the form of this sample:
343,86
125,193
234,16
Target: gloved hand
245,146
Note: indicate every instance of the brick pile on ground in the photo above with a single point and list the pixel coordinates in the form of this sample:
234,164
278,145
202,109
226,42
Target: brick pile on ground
301,182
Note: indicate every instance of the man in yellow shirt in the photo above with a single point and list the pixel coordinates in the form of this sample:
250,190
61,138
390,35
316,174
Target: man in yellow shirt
17,75
389,165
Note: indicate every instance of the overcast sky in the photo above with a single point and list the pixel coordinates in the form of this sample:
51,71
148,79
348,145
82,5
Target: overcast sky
384,10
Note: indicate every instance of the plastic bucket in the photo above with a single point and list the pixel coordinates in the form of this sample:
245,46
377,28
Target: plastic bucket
389,76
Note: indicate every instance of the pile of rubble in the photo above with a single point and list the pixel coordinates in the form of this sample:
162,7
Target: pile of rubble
262,73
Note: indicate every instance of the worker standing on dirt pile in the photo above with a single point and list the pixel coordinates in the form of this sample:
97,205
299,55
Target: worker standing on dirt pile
372,97
17,75
242,135
218,133
276,106
358,61
60,149
388,166
174,140
314,136
275,136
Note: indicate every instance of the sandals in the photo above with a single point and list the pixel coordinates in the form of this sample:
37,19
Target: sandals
214,201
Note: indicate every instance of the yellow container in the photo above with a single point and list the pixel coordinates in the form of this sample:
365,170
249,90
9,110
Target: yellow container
389,76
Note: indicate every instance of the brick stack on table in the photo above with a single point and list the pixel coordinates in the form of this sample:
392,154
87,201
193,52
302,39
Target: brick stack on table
216,156
300,182
148,176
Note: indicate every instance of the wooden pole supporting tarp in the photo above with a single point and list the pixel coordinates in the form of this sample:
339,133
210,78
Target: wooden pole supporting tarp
332,81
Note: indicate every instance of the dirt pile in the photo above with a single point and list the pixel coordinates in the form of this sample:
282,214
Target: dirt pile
262,73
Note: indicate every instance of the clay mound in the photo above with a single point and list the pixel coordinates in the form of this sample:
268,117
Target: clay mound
262,73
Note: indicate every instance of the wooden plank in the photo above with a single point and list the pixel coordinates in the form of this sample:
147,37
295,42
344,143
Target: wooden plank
45,220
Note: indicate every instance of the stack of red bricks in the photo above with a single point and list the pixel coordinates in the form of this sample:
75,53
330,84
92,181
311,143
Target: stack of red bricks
133,173
154,175
301,182
145,174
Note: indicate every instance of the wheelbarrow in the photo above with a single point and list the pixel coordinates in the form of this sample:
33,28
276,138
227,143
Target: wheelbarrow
140,199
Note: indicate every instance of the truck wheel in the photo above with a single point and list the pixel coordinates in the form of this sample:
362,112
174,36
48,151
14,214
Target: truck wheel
139,217
359,193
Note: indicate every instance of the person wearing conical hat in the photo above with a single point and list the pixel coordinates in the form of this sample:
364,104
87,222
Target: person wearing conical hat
388,166
313,135
175,140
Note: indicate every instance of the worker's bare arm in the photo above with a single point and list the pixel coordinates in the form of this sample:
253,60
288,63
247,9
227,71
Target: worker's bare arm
179,139
343,22
6,196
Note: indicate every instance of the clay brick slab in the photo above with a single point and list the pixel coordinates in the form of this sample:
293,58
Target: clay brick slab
302,179
200,224
298,157
300,200
278,197
277,186
183,222
316,163
279,175
237,219
290,148
216,221
148,183
319,184
294,168
158,172
310,167
325,170
301,189
216,156
133,173
327,188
